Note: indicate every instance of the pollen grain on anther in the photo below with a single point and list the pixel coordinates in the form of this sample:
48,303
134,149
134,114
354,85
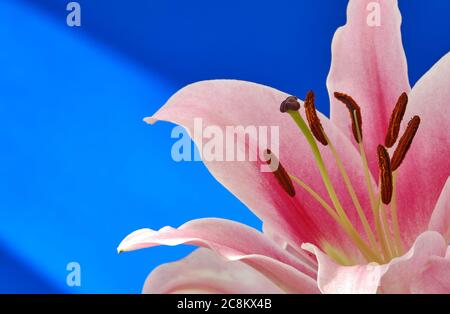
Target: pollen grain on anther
395,120
355,114
405,142
313,120
385,174
280,173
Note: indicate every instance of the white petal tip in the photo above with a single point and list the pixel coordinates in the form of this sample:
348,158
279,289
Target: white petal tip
121,249
150,120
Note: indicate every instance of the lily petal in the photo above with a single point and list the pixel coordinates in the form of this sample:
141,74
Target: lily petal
334,278
299,219
235,242
440,220
203,271
398,276
369,64
435,278
426,167
303,255
403,270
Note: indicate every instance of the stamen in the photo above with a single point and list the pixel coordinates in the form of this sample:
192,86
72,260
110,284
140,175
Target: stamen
386,197
396,119
280,174
385,175
368,253
290,104
355,114
405,143
353,196
313,119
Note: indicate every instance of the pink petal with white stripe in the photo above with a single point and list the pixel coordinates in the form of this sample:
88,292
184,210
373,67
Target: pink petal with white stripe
369,64
235,242
203,271
426,168
298,219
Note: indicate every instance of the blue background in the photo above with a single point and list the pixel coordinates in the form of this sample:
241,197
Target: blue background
78,168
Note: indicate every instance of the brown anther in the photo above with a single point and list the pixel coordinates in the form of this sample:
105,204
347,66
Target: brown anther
396,119
280,173
313,119
290,104
355,113
405,142
385,174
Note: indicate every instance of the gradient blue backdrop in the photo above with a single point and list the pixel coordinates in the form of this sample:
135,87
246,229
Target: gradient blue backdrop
78,168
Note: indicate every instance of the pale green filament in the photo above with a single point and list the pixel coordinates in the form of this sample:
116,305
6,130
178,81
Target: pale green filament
379,229
353,195
387,233
398,240
365,250
364,162
317,197
373,202
367,174
337,256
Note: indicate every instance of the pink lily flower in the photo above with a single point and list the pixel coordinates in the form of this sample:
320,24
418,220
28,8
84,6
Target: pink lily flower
360,202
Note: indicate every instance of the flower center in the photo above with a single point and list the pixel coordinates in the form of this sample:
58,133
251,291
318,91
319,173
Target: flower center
382,244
